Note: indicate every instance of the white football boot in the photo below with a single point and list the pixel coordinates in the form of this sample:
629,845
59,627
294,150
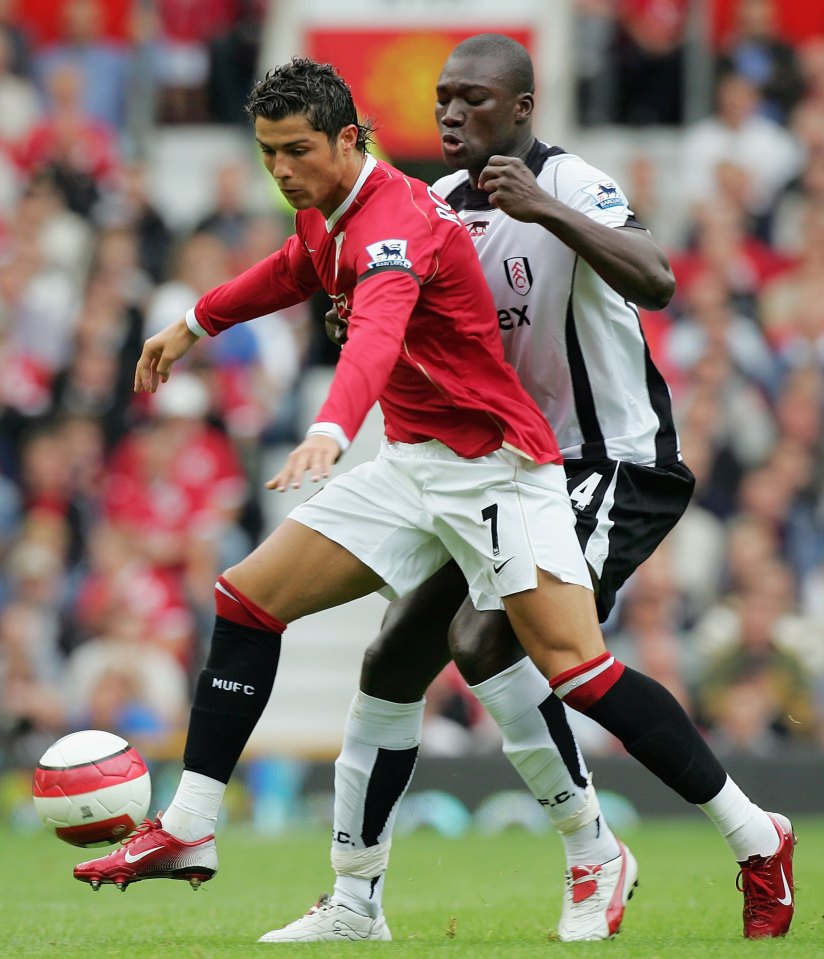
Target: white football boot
595,898
328,921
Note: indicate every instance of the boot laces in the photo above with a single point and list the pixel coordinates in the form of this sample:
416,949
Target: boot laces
756,884
324,900
582,899
147,826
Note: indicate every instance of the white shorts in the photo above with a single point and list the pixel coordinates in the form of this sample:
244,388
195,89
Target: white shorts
406,512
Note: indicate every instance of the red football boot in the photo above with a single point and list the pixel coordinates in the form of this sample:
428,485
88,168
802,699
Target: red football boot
767,884
152,853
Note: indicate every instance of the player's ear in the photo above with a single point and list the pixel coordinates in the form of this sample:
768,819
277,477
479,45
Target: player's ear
348,137
524,107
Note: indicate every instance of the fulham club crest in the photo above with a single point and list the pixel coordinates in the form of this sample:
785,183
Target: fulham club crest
518,274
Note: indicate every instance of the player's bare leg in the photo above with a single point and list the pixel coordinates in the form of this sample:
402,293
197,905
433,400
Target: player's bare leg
297,571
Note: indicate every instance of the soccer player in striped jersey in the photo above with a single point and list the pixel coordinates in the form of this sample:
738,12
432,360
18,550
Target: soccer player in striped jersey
568,265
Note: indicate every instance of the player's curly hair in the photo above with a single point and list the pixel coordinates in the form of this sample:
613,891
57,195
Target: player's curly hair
314,90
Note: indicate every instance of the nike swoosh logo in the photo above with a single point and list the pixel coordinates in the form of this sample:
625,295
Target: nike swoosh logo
497,569
787,898
130,858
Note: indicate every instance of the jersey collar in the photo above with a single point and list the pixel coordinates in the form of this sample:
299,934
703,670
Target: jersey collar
464,199
369,165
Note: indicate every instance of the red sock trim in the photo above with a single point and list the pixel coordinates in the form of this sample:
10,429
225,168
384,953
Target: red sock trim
239,609
582,686
569,674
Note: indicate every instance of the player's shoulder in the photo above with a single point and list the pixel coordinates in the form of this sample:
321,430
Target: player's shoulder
580,184
391,180
399,223
389,190
567,170
406,202
446,185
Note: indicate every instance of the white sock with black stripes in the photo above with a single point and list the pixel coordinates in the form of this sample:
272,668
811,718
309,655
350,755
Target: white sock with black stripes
372,774
541,746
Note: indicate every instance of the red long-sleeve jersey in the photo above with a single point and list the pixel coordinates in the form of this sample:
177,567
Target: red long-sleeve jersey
423,336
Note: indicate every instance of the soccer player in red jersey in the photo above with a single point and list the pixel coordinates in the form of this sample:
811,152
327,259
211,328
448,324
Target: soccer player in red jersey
469,469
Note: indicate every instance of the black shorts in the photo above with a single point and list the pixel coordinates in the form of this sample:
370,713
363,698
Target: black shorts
623,512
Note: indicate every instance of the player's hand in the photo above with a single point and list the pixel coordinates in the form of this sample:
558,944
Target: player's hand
335,327
512,187
159,353
316,455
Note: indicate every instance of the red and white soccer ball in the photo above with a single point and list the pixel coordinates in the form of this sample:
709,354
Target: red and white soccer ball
92,788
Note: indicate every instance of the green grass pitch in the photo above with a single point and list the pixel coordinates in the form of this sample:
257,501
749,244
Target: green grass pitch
477,896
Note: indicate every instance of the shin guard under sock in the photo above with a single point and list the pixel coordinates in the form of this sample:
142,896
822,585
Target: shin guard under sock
234,686
649,722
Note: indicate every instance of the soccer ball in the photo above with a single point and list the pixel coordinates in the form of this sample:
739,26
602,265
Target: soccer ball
92,788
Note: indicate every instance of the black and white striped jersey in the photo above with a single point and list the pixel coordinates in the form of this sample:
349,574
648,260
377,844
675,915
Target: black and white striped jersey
577,344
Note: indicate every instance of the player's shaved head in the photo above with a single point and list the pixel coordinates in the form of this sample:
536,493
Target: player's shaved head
512,56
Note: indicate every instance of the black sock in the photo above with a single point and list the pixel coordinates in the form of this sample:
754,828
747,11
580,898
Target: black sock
232,692
656,731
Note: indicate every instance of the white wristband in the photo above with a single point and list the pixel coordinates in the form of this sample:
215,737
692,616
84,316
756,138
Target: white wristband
330,429
194,326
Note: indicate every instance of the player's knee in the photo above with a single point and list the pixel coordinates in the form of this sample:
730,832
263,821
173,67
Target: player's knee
385,675
375,669
401,663
483,645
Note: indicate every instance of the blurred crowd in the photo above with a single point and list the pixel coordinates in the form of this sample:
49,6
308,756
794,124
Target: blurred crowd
117,510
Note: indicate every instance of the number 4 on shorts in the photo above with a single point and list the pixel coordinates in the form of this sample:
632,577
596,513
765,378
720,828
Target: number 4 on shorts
582,495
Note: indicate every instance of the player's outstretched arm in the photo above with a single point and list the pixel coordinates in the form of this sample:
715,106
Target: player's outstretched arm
159,353
629,260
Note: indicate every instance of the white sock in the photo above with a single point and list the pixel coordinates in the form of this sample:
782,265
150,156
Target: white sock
363,896
374,729
748,830
192,814
512,699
